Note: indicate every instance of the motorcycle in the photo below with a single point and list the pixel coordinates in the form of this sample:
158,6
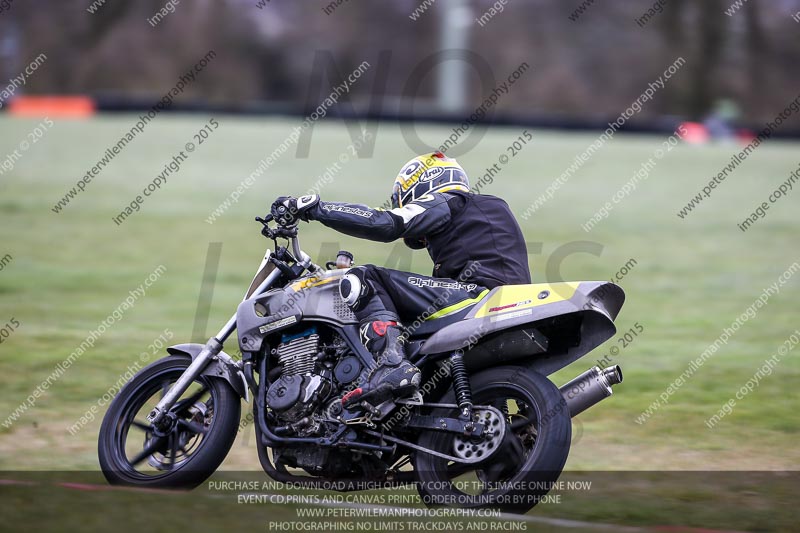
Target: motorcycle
487,428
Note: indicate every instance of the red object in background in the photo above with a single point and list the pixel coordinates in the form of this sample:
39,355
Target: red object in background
745,136
52,106
696,133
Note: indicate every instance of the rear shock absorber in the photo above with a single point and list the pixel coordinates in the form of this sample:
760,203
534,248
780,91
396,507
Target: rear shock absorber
461,385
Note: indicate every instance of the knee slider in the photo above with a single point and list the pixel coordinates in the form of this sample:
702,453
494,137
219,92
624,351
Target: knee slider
354,287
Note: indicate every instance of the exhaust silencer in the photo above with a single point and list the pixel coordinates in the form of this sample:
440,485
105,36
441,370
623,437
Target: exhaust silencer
590,388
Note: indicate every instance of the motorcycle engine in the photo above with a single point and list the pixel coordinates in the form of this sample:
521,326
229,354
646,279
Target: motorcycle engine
312,375
304,382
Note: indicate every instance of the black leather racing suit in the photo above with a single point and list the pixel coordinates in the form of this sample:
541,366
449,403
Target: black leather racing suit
473,239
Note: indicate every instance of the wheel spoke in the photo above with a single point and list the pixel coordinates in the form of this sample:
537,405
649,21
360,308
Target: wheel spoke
164,387
194,427
190,400
141,425
519,424
173,448
149,449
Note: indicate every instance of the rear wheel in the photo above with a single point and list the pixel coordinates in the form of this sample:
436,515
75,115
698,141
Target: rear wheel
197,435
521,467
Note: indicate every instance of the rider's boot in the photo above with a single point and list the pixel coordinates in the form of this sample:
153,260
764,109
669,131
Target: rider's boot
393,376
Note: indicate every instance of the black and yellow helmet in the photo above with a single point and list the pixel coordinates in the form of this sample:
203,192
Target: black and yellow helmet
427,173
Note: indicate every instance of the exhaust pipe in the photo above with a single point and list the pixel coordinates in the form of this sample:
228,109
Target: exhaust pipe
590,388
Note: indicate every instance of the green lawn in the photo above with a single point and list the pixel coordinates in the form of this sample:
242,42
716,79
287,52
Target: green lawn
692,277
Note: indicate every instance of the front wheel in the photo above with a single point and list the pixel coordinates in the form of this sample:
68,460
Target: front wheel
197,434
521,467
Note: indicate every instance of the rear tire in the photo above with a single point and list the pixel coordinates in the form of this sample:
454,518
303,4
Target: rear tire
526,464
208,430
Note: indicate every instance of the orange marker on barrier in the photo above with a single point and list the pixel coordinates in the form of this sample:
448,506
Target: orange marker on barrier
52,106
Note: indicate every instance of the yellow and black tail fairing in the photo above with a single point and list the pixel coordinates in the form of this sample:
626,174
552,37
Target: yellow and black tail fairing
552,324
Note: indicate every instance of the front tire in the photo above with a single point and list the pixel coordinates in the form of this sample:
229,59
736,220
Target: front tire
527,462
204,422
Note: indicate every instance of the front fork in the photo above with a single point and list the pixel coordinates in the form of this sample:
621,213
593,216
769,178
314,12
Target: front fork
211,350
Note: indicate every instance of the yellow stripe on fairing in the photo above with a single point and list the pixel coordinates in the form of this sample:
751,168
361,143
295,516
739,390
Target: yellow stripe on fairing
311,282
457,306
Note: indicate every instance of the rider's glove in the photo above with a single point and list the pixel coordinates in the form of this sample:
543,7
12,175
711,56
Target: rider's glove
287,210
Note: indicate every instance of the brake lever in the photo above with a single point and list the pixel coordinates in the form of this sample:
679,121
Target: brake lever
265,229
278,232
285,232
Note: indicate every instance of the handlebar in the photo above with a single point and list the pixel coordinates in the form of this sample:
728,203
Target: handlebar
290,233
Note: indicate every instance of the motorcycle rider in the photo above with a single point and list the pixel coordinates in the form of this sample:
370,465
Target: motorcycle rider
473,239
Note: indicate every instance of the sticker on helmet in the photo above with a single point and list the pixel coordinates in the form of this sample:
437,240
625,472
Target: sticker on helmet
411,168
432,174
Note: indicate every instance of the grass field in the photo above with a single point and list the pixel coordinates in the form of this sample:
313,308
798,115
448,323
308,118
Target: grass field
691,278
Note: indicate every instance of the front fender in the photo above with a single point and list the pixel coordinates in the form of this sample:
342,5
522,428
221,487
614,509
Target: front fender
222,367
